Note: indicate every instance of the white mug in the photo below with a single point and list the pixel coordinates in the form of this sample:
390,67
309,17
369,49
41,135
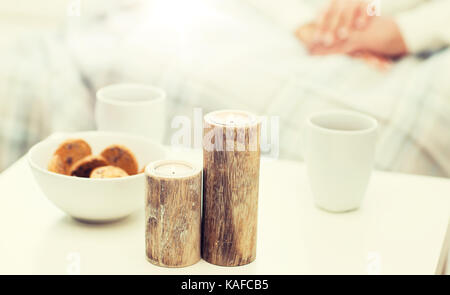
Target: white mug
132,108
339,155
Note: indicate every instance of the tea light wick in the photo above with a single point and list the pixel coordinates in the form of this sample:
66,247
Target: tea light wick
231,119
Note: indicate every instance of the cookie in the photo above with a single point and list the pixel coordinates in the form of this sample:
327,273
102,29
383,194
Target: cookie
68,152
57,165
108,172
120,156
84,167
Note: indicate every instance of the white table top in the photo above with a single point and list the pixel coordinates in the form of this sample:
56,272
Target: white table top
402,228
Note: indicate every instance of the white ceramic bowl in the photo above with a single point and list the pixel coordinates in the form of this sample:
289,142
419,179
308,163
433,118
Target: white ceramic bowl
94,200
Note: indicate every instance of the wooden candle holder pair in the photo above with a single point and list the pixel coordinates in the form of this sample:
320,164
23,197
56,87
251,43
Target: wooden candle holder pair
176,233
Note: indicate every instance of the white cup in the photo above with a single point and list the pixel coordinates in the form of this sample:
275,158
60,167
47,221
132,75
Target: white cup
339,154
132,108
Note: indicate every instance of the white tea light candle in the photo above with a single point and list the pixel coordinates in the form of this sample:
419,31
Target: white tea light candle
173,213
173,169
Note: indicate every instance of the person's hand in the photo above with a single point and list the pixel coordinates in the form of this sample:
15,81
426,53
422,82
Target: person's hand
339,19
381,36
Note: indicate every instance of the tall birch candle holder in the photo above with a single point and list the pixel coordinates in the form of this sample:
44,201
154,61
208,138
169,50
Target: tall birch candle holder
173,213
231,158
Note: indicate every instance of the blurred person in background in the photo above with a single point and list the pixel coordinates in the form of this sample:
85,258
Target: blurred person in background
240,54
351,26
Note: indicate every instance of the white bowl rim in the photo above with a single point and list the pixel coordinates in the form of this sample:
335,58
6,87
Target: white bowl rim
81,134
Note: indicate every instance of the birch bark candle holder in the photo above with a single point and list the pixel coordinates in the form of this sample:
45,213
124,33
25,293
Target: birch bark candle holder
173,213
231,158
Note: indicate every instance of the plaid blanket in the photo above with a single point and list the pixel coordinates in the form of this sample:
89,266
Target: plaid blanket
41,91
411,102
230,57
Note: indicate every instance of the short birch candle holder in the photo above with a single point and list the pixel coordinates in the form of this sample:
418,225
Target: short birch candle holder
173,213
231,158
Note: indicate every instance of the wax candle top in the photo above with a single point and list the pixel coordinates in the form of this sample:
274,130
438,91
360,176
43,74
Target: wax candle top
231,118
171,169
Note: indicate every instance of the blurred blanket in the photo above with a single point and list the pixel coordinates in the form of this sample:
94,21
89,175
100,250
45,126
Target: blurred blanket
41,91
226,54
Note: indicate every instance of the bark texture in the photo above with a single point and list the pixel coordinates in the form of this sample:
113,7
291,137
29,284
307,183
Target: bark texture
230,194
173,220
